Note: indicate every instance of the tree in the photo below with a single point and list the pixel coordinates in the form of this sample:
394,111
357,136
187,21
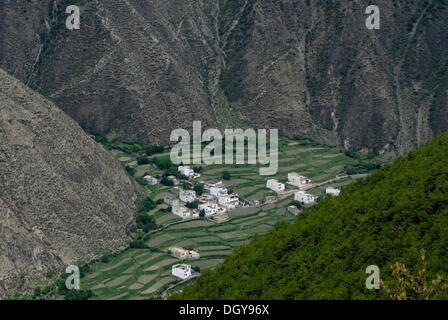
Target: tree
166,182
296,203
147,204
141,181
226,175
197,169
202,213
143,160
199,189
130,170
150,150
410,287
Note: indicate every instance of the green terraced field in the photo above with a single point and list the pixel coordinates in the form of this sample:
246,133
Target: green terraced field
146,273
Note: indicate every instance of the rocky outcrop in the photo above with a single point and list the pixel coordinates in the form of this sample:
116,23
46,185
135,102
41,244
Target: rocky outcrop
64,199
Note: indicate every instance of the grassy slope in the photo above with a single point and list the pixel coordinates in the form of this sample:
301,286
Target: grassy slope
387,217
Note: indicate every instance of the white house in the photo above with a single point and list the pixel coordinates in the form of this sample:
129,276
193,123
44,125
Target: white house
172,201
151,180
182,271
333,191
212,183
218,191
297,180
183,254
186,171
229,201
181,211
187,195
304,197
275,185
210,208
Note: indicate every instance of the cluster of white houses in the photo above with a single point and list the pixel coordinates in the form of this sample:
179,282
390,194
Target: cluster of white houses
215,200
301,182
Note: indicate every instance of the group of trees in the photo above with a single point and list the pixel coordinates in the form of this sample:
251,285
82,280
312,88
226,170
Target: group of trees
144,221
129,146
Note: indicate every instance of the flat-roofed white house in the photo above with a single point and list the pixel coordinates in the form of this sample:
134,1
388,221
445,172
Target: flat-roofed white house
172,201
182,270
186,171
181,211
229,201
275,185
304,197
183,254
218,191
333,191
297,180
213,183
187,195
210,208
151,180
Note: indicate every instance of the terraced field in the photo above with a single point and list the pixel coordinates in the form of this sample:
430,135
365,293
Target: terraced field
146,273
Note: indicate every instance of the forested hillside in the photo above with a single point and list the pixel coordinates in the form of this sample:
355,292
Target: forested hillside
386,218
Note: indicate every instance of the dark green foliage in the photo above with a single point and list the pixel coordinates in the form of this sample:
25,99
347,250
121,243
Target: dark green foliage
387,217
202,213
226,175
164,163
198,169
141,181
143,160
192,205
199,189
147,204
150,150
166,182
138,244
296,203
186,186
131,170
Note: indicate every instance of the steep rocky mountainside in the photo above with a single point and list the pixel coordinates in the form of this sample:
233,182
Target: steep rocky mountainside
63,198
138,69
386,218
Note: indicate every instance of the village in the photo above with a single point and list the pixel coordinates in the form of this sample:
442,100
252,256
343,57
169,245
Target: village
200,214
215,201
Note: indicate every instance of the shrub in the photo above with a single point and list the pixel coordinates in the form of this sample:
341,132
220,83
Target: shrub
199,189
147,204
192,205
226,175
143,160
166,182
130,170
